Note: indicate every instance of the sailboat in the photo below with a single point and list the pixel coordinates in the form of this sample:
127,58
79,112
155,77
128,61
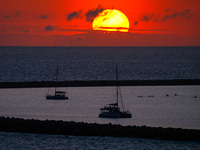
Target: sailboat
113,110
58,95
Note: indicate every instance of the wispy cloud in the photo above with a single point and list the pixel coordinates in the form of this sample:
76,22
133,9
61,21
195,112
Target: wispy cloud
6,17
115,28
168,14
91,14
76,30
50,28
135,23
17,14
73,15
26,31
77,39
43,16
185,12
166,10
3,30
147,17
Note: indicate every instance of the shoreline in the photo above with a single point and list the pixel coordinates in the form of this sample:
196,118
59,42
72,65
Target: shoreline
35,84
94,129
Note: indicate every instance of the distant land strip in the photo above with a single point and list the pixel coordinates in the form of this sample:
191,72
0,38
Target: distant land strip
99,83
93,129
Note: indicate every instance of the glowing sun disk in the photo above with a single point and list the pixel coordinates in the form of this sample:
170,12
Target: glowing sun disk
111,20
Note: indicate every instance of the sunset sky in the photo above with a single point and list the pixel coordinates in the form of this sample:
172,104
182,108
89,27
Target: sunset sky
69,23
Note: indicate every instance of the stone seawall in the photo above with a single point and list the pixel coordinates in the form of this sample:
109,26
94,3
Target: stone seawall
92,129
98,83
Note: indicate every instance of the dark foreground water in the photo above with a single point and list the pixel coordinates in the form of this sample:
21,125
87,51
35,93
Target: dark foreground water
98,63
20,141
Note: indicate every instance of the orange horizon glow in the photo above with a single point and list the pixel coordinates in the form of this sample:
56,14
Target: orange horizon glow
70,23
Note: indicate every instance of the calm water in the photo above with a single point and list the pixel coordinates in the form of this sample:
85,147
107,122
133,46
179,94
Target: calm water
83,106
181,111
98,63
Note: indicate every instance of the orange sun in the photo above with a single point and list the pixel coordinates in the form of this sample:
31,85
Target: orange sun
111,20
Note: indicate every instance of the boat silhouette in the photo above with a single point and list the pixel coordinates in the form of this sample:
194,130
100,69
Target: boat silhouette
113,110
58,95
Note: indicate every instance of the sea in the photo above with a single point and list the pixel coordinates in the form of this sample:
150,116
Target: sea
155,106
19,64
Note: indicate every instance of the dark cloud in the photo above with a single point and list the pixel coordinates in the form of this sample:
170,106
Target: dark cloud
3,30
186,13
116,28
147,17
91,14
26,31
43,16
73,15
50,28
78,39
17,14
166,10
135,23
189,17
6,17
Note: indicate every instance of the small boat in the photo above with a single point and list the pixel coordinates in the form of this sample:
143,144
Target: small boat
58,95
113,110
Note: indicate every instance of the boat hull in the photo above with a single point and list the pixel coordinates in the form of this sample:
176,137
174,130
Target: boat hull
54,97
115,115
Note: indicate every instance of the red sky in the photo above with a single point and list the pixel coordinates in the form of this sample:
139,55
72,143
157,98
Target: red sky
69,23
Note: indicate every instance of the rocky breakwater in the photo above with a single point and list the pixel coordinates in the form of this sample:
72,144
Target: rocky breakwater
92,129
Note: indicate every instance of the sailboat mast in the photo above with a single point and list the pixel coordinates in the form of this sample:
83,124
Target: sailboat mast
117,90
56,78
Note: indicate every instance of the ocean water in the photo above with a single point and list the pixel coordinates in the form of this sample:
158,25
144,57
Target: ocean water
180,109
98,63
21,141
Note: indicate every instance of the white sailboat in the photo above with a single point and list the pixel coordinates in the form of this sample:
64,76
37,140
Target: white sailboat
58,95
113,110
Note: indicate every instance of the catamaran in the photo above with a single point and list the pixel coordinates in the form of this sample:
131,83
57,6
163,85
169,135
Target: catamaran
58,95
113,110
